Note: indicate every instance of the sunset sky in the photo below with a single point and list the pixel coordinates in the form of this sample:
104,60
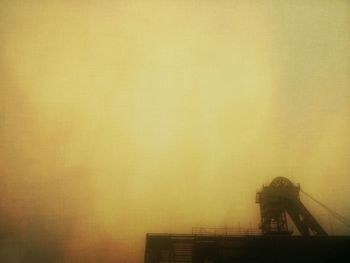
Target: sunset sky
119,118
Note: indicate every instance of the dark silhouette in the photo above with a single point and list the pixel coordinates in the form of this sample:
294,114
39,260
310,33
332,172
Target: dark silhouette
275,242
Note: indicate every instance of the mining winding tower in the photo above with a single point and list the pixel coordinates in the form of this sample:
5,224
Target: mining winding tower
274,243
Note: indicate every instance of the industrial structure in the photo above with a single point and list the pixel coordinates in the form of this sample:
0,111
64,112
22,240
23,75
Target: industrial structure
274,242
282,197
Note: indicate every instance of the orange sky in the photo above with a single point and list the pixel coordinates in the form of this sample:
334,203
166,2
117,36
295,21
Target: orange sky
119,118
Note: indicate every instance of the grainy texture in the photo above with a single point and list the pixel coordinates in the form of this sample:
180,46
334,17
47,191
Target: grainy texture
119,118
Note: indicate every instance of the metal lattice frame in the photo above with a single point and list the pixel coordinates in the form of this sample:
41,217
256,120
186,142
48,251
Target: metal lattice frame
282,197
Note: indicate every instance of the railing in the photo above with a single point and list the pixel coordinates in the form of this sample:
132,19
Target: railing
225,231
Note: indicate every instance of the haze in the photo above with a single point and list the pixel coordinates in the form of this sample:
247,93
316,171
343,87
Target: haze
119,118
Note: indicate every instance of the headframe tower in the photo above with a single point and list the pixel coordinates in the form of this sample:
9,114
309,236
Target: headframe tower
277,200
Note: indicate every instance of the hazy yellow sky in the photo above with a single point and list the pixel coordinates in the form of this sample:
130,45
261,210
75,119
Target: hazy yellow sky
119,118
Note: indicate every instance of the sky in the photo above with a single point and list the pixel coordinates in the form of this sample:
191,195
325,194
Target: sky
121,118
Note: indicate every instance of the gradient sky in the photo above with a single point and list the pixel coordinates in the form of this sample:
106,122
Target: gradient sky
119,118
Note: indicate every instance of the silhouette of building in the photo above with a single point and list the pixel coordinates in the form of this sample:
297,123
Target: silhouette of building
274,241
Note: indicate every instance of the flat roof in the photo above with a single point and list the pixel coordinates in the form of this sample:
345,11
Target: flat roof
164,247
